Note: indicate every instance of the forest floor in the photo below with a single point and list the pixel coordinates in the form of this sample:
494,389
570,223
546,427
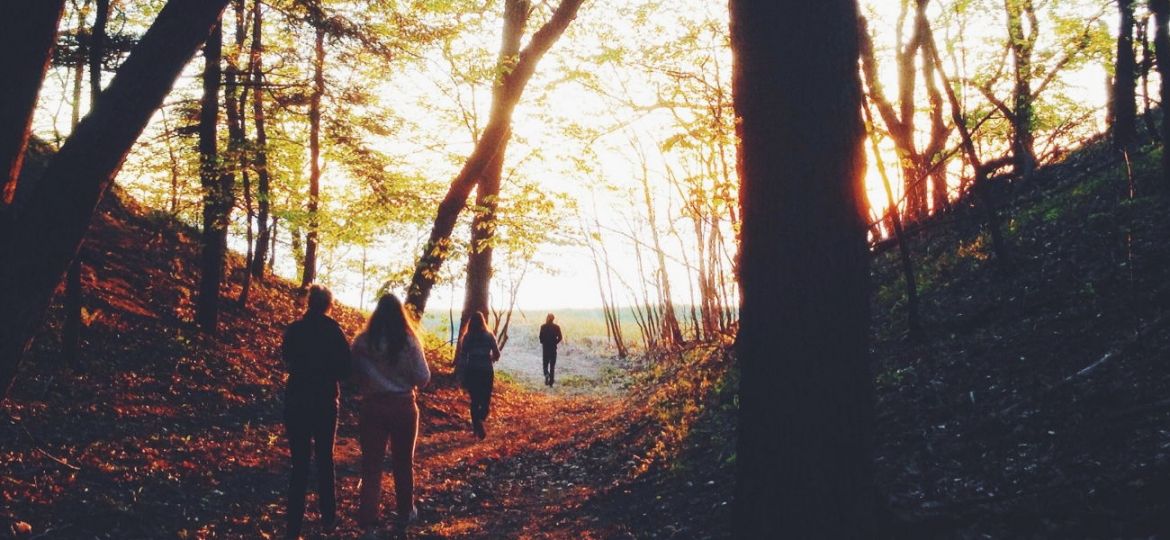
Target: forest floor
165,432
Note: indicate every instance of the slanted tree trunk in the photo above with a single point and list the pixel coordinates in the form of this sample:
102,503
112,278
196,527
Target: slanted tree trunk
217,193
71,330
310,268
671,331
41,242
1125,81
803,462
1161,9
28,32
506,94
487,191
1023,29
264,233
982,194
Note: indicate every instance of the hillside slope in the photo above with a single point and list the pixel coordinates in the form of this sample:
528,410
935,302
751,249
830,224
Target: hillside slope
1038,405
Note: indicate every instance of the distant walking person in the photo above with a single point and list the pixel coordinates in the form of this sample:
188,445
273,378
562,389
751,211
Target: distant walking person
550,337
478,351
388,366
316,353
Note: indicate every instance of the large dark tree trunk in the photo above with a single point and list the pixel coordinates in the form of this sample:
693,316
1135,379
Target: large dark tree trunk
28,31
487,191
216,189
803,462
260,159
505,96
48,229
310,271
1125,81
1161,9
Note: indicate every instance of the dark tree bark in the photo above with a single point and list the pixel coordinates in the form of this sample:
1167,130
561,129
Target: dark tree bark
310,269
1125,81
28,32
44,237
217,189
1161,9
487,191
235,103
509,88
803,462
71,330
264,235
1021,43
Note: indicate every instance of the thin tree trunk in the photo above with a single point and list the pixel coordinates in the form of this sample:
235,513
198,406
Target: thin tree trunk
671,330
43,239
264,235
235,102
803,462
1125,81
913,320
506,94
28,32
1143,37
1161,9
984,198
1021,42
310,269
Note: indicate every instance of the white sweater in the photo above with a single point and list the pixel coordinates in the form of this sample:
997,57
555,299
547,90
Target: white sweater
376,374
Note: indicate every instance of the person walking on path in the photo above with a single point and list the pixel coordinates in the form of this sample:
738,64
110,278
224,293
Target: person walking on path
316,353
477,352
388,366
550,337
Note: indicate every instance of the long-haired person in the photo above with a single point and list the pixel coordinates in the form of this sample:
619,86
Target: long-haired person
389,366
478,351
316,352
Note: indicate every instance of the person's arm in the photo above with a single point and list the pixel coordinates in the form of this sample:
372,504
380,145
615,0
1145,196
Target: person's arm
495,349
358,359
421,372
560,336
289,349
342,362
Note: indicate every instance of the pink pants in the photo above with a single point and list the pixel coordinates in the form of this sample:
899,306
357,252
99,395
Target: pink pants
383,417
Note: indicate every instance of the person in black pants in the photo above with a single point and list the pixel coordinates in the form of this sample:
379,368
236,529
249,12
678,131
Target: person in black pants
316,353
550,337
478,351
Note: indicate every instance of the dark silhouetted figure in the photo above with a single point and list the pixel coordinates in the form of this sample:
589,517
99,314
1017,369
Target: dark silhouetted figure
478,351
550,337
316,353
388,366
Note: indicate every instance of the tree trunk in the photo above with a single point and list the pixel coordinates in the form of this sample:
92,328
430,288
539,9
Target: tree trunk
264,234
28,32
310,270
1147,63
487,191
1161,9
803,461
671,331
1021,42
43,239
216,199
1125,81
506,94
235,103
982,195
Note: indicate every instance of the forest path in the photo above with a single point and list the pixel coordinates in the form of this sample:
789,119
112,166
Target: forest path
545,455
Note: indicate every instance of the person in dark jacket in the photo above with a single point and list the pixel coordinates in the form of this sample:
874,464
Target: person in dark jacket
550,337
316,353
477,352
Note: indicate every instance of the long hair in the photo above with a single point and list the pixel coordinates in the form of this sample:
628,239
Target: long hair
390,327
476,323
